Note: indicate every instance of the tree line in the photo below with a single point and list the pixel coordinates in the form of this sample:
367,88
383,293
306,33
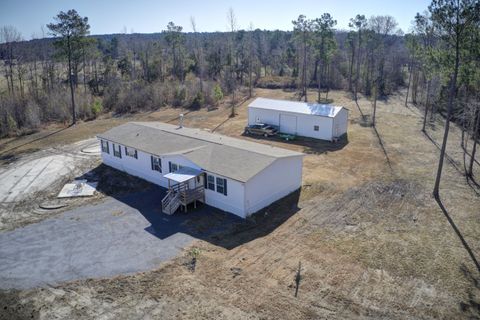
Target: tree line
72,74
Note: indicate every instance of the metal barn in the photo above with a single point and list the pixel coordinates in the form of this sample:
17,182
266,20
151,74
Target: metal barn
319,121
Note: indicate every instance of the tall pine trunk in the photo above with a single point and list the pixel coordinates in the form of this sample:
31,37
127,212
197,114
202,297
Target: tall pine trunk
304,69
453,86
74,116
250,84
375,93
474,149
319,84
351,69
427,103
409,81
357,72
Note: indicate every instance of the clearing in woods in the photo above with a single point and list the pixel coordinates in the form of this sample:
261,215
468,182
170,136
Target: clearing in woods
371,240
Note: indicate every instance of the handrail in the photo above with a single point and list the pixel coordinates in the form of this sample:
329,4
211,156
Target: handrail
170,201
179,194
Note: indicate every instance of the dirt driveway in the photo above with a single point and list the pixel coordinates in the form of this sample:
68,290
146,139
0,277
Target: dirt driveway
117,236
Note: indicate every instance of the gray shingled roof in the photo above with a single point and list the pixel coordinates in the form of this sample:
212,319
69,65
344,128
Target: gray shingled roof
230,157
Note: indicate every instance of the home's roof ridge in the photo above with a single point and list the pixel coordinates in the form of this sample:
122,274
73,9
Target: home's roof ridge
219,139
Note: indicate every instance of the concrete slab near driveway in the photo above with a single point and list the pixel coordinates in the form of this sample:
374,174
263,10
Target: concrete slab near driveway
117,236
36,172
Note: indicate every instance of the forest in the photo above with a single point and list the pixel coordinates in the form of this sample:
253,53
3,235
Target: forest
68,74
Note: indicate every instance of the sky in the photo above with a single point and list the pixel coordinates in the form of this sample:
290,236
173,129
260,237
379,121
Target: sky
148,16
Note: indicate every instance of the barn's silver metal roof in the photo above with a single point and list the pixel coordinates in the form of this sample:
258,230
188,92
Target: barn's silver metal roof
324,110
230,157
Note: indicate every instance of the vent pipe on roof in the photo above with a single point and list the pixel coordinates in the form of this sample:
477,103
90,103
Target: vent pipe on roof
181,120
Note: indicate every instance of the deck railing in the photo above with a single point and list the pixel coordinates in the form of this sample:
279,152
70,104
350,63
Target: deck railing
179,194
171,202
189,195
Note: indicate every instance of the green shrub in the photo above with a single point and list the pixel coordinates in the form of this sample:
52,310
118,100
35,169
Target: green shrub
96,108
180,96
11,124
198,101
217,93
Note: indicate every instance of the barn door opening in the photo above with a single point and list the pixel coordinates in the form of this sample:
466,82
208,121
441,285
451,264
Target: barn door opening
288,124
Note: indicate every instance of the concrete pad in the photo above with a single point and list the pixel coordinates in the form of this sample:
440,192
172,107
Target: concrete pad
38,171
92,149
19,181
79,188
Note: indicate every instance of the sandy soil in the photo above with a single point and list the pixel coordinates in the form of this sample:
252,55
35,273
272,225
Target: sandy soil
371,241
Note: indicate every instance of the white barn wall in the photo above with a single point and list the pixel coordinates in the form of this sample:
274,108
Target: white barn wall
340,124
279,179
256,115
305,123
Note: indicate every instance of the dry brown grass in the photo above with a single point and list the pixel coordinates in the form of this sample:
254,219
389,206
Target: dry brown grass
372,241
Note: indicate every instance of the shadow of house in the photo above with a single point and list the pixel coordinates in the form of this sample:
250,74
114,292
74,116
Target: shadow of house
259,224
203,222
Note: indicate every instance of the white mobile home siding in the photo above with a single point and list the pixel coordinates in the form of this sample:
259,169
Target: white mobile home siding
232,202
279,179
140,167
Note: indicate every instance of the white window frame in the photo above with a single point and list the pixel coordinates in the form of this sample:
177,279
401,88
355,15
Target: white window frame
105,146
131,152
210,184
117,153
156,164
316,128
220,182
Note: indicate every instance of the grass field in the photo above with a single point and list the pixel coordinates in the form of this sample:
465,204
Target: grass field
371,240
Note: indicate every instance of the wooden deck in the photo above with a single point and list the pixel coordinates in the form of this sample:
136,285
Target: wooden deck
181,195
